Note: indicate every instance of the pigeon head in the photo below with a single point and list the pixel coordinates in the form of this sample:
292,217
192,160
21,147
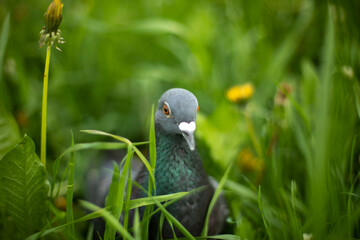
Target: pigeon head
176,114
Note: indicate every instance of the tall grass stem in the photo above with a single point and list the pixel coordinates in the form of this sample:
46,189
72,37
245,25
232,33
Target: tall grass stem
70,192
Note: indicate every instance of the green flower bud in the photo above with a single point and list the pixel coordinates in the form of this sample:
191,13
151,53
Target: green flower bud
53,16
50,34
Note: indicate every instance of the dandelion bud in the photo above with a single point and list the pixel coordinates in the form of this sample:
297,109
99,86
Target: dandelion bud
53,16
51,34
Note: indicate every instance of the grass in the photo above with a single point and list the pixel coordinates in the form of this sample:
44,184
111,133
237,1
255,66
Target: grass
299,176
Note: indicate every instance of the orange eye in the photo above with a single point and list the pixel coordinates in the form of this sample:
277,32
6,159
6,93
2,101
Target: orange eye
197,110
166,109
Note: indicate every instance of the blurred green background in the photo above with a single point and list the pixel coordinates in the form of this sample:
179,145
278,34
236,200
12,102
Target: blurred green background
296,135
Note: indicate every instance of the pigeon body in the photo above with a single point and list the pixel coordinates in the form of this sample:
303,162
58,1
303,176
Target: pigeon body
179,167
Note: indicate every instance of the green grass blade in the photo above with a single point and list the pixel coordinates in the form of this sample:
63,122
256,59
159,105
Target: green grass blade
108,217
3,41
319,174
117,201
215,197
139,202
159,26
80,147
221,236
242,191
111,199
128,142
151,184
9,134
174,221
137,233
268,230
127,201
353,181
87,217
70,192
89,234
168,198
152,146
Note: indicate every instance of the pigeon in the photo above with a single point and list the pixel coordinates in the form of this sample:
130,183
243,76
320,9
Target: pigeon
179,169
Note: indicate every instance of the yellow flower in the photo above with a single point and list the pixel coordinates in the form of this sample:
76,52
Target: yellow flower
51,34
240,93
248,162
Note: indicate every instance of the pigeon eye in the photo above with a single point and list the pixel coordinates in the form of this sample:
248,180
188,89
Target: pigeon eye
166,110
197,110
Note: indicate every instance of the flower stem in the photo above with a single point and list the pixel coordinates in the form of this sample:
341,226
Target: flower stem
44,107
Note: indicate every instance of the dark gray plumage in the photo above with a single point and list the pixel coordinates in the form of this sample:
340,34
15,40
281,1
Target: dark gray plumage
179,168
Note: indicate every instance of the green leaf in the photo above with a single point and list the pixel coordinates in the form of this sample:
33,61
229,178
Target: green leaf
24,188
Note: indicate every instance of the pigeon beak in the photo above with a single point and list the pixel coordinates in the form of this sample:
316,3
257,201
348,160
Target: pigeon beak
188,130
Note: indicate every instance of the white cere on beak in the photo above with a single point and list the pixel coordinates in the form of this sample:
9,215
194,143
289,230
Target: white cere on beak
187,127
188,130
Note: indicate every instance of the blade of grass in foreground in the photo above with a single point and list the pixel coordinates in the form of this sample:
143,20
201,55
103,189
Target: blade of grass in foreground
80,147
241,190
137,233
111,199
40,234
167,198
174,221
135,203
263,216
319,171
3,41
127,201
139,202
128,142
117,201
108,217
70,192
215,197
151,184
221,236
